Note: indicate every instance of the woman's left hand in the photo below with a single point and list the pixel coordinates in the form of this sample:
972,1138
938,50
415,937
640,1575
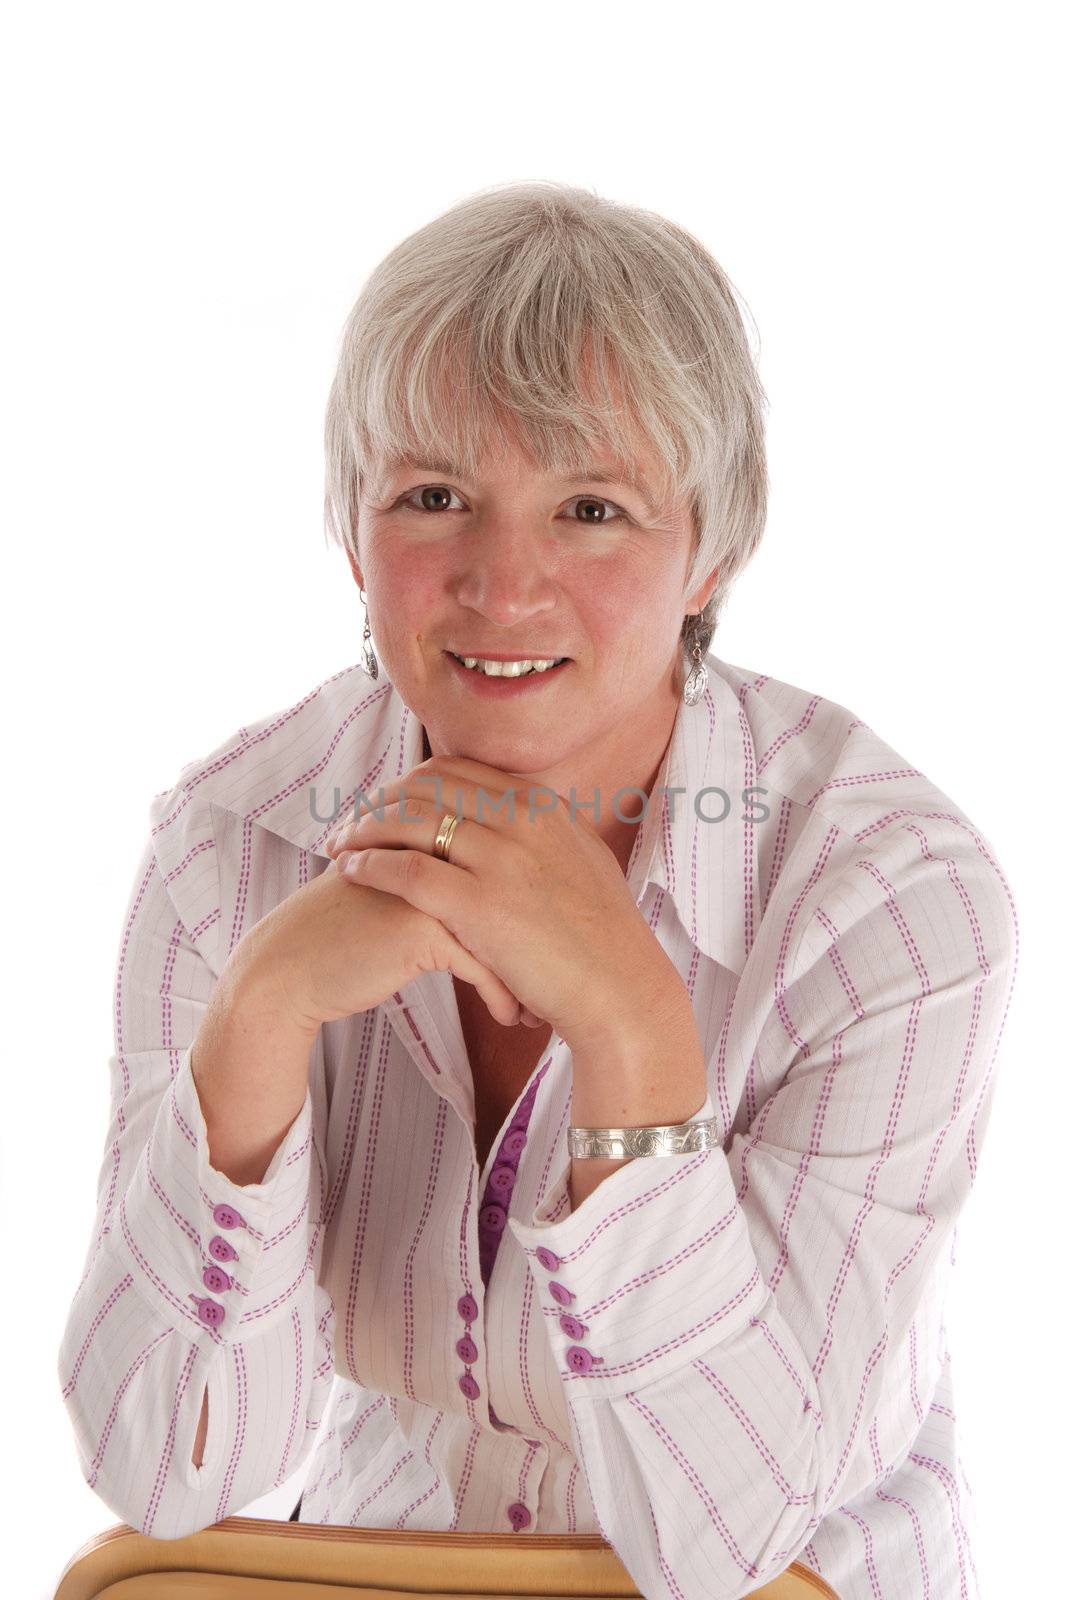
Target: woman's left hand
535,893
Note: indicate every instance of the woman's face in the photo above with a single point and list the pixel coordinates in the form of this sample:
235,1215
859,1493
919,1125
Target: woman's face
519,564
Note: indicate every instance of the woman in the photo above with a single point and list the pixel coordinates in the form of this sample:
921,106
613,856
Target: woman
635,888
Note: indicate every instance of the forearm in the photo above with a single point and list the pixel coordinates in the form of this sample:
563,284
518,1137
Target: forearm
250,1069
251,1073
643,1067
250,1066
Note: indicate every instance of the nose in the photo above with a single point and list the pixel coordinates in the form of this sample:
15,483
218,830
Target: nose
504,574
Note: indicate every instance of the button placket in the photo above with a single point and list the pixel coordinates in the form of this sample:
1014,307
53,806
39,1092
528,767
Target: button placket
467,1308
491,1222
466,1347
493,1214
501,1181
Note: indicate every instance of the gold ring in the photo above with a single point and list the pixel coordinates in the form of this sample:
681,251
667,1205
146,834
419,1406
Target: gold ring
445,836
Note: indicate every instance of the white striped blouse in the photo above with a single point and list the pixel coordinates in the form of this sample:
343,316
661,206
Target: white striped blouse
721,1362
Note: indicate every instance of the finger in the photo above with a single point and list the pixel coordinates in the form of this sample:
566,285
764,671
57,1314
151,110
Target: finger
415,830
425,884
498,805
462,768
501,1002
409,821
442,889
473,845
344,821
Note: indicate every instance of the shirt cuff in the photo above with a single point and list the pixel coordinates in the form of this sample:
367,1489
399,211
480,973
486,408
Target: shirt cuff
654,1267
218,1260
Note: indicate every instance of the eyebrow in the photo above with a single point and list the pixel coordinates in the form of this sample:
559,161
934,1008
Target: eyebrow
450,469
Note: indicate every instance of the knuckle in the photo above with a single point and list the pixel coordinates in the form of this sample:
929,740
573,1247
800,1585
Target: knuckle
434,944
344,841
411,866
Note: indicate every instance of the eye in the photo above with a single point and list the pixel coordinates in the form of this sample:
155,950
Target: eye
597,500
428,489
441,490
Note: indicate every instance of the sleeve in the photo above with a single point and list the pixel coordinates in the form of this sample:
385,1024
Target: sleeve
190,1280
740,1332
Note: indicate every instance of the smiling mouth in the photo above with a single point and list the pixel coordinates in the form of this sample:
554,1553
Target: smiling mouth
520,668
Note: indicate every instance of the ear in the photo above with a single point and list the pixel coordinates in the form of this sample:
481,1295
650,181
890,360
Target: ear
701,595
358,576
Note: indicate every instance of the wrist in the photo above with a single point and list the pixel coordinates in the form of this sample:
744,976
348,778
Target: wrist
250,1066
254,994
643,1076
651,1008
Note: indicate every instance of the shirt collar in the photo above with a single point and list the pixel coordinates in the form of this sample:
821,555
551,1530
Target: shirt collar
695,844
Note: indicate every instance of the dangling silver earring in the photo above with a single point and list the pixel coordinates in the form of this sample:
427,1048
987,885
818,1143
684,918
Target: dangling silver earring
371,665
697,678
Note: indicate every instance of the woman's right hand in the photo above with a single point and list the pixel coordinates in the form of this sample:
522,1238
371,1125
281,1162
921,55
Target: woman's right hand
334,948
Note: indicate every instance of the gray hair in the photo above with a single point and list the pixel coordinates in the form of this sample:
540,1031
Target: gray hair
551,304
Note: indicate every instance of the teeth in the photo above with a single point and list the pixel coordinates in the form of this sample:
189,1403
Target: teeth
508,669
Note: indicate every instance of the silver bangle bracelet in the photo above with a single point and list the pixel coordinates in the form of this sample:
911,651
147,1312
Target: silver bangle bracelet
667,1139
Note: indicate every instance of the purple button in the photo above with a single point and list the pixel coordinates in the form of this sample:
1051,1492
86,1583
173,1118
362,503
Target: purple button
210,1312
468,1386
493,1219
220,1250
564,1296
216,1279
467,1308
466,1348
548,1259
501,1181
579,1359
227,1217
514,1143
519,1515
574,1328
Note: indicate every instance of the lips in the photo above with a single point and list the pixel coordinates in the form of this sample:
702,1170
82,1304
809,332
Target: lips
499,685
505,663
491,655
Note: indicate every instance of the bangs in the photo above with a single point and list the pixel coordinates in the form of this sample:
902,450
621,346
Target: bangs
454,408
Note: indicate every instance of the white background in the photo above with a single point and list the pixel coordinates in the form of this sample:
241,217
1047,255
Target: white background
193,195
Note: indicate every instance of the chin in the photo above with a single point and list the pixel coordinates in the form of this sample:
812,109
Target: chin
513,753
